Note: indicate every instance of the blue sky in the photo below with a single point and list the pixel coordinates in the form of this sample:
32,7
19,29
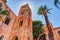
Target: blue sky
34,4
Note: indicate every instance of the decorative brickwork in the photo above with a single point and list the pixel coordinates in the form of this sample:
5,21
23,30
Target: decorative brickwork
19,27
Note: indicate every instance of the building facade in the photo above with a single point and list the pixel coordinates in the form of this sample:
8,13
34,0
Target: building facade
56,34
14,27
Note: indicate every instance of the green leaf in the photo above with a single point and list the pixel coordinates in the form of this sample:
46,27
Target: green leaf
6,12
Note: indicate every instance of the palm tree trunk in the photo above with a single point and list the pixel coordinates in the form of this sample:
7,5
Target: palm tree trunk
48,25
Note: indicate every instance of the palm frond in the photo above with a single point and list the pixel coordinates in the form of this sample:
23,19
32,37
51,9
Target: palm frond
59,2
55,2
49,10
57,6
45,7
41,9
6,12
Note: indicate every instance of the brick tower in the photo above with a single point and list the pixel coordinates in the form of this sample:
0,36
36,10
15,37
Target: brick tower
22,28
26,28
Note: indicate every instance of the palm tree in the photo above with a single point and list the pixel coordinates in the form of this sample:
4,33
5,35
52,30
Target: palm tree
43,10
37,28
57,3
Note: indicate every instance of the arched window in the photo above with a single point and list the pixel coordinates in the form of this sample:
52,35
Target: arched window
50,38
21,22
15,38
1,37
22,13
7,21
59,33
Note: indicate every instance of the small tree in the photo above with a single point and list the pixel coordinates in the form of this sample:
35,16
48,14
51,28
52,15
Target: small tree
37,28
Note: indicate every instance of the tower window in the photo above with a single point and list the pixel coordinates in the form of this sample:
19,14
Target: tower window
15,38
21,22
1,37
59,33
0,4
22,13
7,21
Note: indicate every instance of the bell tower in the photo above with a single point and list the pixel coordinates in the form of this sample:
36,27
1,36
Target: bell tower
25,22
22,28
25,11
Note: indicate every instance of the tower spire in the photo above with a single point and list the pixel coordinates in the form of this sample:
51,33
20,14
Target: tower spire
24,8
